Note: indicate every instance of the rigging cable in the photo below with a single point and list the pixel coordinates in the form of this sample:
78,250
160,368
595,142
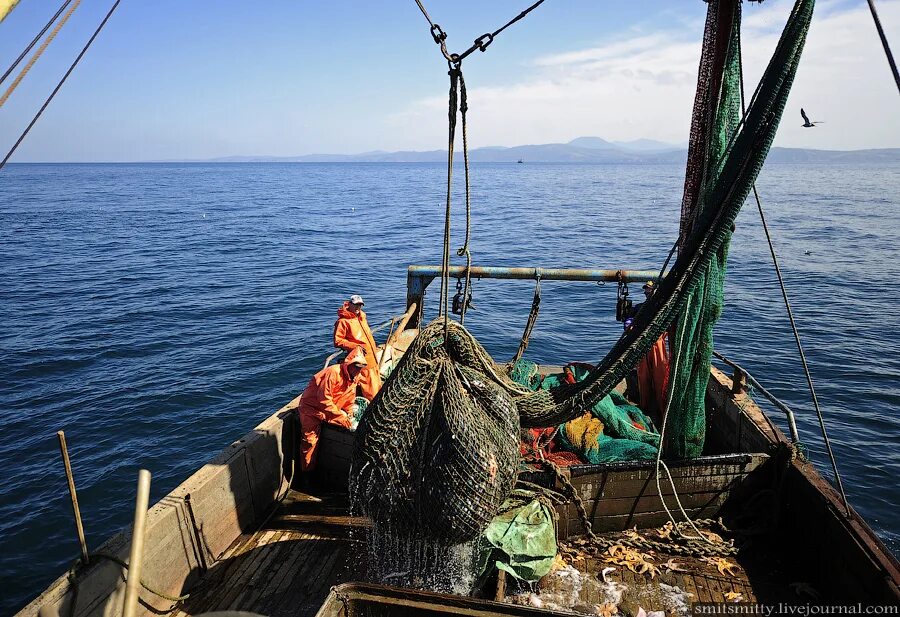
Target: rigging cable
34,41
38,53
458,103
790,313
884,43
481,43
59,85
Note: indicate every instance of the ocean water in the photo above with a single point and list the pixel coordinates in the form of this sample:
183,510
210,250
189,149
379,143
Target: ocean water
158,312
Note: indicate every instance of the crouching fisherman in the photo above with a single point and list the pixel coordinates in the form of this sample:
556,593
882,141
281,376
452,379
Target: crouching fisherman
329,397
351,330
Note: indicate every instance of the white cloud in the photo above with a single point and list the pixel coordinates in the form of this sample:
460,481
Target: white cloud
642,85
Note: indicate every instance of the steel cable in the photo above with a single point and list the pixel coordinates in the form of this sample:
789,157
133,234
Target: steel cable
40,51
884,43
790,313
34,41
59,85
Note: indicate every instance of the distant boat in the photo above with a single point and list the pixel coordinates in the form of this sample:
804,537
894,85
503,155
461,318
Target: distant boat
520,161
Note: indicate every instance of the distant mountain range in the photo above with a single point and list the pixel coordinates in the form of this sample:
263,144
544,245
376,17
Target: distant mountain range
579,150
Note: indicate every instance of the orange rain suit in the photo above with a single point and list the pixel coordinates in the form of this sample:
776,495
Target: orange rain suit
352,331
653,377
328,398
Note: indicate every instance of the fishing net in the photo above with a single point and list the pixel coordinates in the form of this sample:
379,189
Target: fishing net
438,447
718,104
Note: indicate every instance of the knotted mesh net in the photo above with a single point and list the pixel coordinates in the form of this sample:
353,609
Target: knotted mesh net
437,451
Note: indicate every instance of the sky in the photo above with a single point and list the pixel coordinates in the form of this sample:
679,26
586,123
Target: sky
194,79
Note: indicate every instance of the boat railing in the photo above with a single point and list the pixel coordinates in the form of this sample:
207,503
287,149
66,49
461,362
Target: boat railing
741,375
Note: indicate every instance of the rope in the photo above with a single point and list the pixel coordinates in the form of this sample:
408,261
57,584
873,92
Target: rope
74,583
688,546
662,270
463,251
59,85
532,318
451,138
34,41
458,102
790,313
884,43
38,53
662,439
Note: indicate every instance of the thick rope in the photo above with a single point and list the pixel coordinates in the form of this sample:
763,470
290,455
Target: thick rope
794,330
39,52
34,41
464,251
451,138
59,85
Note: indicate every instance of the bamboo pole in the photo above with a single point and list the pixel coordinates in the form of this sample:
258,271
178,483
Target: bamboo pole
133,583
79,529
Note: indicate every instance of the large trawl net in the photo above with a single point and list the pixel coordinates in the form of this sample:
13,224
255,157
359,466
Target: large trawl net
437,451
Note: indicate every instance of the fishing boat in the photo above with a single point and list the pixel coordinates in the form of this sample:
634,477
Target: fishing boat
241,534
237,536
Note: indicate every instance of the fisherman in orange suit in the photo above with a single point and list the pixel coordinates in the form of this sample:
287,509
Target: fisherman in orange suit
351,330
653,369
329,397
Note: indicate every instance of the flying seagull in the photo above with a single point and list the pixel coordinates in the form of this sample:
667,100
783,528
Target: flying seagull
806,123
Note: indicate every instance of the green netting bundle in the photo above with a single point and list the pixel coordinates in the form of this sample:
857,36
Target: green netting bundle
438,448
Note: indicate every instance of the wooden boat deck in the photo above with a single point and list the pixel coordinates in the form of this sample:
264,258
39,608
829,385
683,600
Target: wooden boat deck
288,566
310,544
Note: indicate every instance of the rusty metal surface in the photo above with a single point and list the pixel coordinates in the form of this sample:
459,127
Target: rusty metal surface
545,274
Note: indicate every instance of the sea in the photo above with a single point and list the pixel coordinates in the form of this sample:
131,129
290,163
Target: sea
157,312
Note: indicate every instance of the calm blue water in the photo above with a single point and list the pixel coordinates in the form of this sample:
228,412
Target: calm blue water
158,312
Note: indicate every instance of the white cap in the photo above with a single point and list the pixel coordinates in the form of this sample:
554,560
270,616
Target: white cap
354,299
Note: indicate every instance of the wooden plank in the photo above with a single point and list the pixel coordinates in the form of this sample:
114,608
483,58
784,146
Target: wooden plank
715,589
209,595
686,582
703,594
288,573
250,560
222,503
320,519
274,556
642,521
313,585
651,503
